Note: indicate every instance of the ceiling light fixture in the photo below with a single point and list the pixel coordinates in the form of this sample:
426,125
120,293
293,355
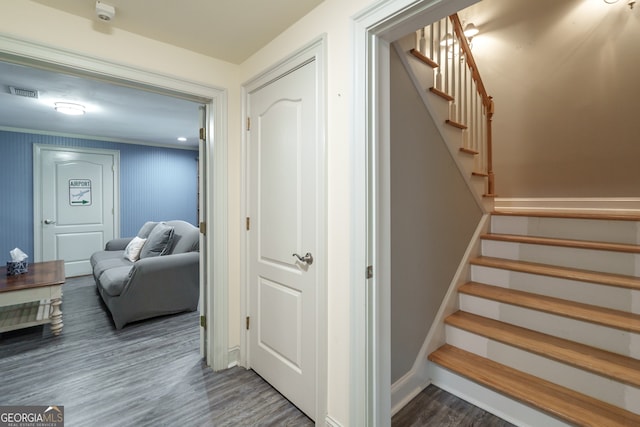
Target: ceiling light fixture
182,139
470,30
611,1
69,108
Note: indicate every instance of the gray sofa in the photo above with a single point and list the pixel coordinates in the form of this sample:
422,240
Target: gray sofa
164,280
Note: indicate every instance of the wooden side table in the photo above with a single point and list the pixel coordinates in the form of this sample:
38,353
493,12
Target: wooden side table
32,298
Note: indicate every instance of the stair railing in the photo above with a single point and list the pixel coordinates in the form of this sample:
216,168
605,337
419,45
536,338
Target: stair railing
457,75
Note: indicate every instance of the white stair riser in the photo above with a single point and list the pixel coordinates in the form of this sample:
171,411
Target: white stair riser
587,293
487,399
593,385
603,337
586,259
568,228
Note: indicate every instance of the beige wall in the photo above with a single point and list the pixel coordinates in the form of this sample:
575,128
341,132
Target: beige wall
433,216
564,75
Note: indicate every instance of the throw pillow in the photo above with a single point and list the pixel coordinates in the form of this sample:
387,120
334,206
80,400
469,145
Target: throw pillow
159,241
132,251
146,229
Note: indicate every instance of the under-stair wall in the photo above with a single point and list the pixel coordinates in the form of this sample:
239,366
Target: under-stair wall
433,218
548,327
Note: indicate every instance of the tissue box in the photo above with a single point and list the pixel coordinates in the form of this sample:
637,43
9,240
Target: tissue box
16,267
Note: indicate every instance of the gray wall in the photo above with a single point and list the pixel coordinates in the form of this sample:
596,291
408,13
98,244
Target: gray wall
433,217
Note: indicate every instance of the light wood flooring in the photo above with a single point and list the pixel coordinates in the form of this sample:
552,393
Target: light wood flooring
150,374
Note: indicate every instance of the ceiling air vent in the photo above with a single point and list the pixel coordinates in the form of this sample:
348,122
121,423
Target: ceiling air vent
27,93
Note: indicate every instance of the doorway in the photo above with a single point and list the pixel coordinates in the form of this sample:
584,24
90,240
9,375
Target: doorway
75,200
285,250
213,207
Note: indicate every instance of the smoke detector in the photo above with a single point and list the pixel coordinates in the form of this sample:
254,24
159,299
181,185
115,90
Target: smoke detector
104,11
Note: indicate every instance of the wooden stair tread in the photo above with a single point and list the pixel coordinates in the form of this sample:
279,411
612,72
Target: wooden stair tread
568,243
468,151
584,312
556,400
455,124
610,279
612,365
441,94
428,61
572,215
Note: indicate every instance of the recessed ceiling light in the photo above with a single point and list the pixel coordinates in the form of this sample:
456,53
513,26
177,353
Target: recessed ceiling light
69,108
182,139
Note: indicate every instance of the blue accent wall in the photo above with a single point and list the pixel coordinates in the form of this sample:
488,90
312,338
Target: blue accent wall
156,184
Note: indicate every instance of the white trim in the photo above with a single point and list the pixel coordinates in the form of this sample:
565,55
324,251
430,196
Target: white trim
316,51
406,388
33,53
611,205
234,356
330,422
37,191
95,138
374,28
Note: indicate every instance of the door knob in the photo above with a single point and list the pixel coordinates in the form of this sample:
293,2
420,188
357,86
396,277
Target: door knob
307,258
49,221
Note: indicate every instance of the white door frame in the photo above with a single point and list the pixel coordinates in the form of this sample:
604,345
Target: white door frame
374,29
315,50
31,53
37,196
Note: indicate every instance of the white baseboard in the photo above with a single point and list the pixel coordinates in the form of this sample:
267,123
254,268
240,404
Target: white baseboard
234,356
330,422
617,205
406,388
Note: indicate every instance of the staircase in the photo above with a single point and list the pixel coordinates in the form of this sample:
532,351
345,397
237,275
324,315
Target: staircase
445,74
548,327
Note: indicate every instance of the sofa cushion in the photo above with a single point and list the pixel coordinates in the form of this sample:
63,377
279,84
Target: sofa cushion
132,251
186,237
100,256
108,263
113,280
158,242
146,229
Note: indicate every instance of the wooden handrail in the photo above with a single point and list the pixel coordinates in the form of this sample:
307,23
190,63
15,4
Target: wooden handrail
471,62
487,100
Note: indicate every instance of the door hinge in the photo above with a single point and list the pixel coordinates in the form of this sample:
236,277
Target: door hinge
203,321
248,321
203,227
203,134
369,273
248,123
248,224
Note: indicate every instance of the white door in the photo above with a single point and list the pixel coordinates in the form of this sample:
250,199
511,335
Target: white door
283,204
75,192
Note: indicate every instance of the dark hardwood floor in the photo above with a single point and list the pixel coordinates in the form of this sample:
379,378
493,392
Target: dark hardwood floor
435,407
147,374
150,374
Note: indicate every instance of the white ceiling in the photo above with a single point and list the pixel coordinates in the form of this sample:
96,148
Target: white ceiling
115,113
230,30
